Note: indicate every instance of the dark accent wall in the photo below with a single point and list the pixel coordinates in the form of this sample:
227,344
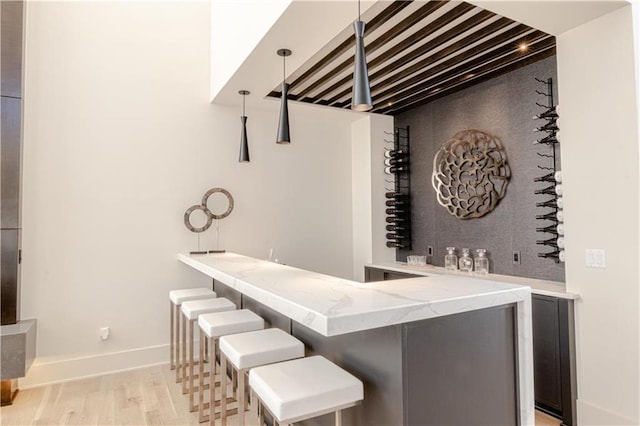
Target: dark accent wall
11,28
503,107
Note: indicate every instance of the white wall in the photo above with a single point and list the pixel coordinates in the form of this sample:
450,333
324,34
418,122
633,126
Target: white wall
237,28
120,139
599,143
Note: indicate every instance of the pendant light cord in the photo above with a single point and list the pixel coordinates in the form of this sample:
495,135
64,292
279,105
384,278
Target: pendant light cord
243,96
359,11
284,70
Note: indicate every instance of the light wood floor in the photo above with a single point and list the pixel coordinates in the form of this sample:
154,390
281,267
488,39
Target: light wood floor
148,396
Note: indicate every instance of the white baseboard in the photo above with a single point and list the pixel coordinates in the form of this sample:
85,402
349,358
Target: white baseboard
44,372
589,414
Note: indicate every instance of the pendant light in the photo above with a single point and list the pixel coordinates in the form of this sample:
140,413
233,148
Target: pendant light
244,142
361,95
283,125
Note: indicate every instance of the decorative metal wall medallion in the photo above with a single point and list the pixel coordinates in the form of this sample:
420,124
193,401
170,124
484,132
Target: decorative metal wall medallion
470,174
205,209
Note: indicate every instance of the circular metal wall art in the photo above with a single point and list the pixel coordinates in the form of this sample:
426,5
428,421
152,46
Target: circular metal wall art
470,174
205,209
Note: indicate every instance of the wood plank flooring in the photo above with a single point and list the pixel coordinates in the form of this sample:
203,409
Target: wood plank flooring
147,396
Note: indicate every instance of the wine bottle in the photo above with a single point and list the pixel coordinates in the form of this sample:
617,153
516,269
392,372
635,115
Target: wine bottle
549,216
552,242
394,244
548,140
549,190
551,126
394,219
552,255
392,203
393,236
394,153
396,169
550,203
395,228
546,178
392,194
550,113
394,211
395,161
551,229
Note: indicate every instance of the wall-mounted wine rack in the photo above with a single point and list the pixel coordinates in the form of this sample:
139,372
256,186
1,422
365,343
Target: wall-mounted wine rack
398,199
552,218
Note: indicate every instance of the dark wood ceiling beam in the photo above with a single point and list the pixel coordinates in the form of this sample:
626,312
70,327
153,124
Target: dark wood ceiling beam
495,48
478,67
476,36
381,18
466,83
401,48
371,47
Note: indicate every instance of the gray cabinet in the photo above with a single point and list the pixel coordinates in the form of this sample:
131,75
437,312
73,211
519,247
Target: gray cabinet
553,350
553,356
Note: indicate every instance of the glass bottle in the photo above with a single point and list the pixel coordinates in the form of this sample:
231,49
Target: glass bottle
465,263
451,260
481,262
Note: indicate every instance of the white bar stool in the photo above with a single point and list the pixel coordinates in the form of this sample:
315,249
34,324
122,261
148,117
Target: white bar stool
215,326
191,311
296,390
176,298
253,349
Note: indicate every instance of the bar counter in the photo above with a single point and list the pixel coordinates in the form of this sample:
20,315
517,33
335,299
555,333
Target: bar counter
430,350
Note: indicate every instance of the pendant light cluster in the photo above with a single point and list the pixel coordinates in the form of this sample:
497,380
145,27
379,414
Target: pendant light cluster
360,97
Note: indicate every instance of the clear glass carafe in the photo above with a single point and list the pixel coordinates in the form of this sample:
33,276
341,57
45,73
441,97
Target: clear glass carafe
481,262
465,264
451,260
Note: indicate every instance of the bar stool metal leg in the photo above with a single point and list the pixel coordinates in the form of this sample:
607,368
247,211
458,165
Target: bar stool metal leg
184,355
223,390
172,336
201,378
177,320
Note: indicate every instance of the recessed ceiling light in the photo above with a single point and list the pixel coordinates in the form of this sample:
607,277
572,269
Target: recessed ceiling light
523,47
390,103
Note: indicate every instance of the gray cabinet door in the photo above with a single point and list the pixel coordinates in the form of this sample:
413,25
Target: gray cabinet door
546,353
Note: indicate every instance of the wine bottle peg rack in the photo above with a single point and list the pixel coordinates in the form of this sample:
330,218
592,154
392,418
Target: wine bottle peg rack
551,215
398,200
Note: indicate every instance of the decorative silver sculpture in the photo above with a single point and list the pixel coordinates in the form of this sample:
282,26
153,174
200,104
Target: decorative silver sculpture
470,174
203,207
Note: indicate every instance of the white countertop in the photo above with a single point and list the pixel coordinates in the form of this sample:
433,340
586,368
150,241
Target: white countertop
546,288
333,306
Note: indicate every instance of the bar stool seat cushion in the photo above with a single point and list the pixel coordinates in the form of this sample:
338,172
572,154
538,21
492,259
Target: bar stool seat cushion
261,347
230,322
299,388
186,294
194,308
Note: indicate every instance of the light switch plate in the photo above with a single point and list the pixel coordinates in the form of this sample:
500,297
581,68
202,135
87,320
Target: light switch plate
595,258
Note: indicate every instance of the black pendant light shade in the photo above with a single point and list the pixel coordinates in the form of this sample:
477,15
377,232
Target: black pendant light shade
283,124
244,141
361,95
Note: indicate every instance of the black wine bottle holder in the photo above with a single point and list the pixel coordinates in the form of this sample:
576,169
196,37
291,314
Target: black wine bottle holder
547,127
398,198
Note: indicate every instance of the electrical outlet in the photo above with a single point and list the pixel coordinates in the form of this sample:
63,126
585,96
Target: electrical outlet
516,257
429,250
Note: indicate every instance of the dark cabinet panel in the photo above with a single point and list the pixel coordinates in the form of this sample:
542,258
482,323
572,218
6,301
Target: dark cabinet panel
10,167
546,352
9,274
375,274
11,13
